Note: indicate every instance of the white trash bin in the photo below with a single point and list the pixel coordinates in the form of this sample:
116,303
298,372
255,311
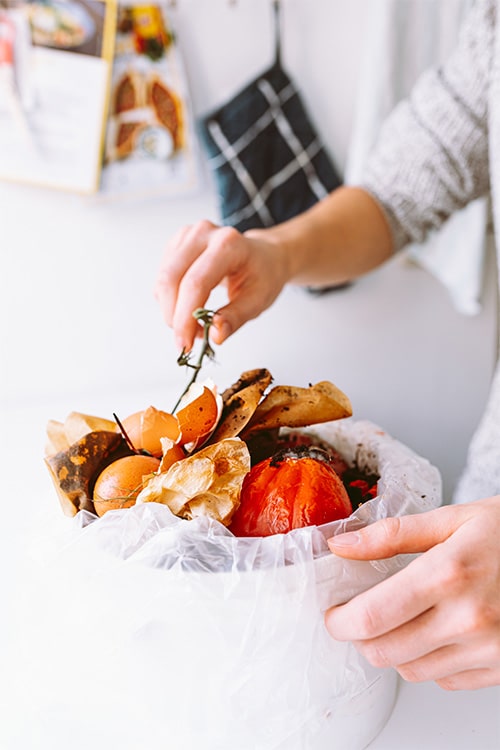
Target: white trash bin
155,633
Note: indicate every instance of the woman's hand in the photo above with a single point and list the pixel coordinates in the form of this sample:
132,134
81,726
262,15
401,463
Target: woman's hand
199,258
340,238
439,618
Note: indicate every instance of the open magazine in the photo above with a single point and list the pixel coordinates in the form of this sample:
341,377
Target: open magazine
94,99
55,68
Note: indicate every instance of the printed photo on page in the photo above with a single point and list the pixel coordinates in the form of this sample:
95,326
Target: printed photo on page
150,142
55,67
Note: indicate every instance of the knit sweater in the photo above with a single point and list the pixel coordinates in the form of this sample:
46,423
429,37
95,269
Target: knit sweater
439,150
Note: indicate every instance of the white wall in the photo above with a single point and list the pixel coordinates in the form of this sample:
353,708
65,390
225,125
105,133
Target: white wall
81,330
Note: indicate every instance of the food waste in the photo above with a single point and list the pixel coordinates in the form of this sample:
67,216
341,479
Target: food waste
239,457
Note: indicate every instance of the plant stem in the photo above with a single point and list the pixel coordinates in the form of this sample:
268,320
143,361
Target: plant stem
124,434
206,317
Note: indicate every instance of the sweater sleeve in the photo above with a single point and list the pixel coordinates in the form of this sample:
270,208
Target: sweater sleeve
431,158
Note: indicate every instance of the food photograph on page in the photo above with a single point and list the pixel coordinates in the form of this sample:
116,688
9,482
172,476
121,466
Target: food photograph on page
75,25
150,142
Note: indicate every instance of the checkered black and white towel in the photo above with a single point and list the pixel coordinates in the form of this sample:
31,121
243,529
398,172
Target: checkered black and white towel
267,159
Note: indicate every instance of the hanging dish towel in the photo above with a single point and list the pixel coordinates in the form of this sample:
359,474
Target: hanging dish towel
403,38
268,161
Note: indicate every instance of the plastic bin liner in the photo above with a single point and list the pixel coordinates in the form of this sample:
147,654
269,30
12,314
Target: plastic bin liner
140,630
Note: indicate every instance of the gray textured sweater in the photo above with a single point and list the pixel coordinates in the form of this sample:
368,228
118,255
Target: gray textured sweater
439,150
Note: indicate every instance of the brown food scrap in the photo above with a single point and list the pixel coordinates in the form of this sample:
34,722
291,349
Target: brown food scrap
75,470
240,402
76,425
291,406
258,375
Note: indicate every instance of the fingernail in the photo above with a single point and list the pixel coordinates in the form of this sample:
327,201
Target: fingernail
345,540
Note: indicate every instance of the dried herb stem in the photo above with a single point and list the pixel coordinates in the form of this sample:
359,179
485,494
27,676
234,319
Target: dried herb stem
206,317
130,444
124,434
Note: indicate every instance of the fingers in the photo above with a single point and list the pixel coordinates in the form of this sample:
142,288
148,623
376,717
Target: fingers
437,643
456,634
438,618
444,572
389,651
225,252
472,679
393,536
199,259
448,662
443,664
183,249
388,605
178,271
202,257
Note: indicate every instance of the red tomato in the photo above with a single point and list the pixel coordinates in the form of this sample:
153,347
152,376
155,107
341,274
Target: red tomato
292,489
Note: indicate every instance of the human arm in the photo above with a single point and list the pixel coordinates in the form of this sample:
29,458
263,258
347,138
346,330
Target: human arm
431,160
339,238
439,618
432,155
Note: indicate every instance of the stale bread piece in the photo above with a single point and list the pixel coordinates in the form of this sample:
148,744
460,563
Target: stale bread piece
291,406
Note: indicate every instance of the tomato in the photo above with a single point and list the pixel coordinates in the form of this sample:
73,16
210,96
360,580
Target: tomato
294,488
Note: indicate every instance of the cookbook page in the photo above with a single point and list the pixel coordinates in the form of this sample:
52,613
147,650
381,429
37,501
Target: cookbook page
54,91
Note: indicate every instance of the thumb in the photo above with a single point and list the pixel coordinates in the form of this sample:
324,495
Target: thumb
229,318
222,326
394,536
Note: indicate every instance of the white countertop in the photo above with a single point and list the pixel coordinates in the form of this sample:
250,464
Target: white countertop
424,715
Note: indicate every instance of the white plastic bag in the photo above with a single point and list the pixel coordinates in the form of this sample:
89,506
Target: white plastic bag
144,631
